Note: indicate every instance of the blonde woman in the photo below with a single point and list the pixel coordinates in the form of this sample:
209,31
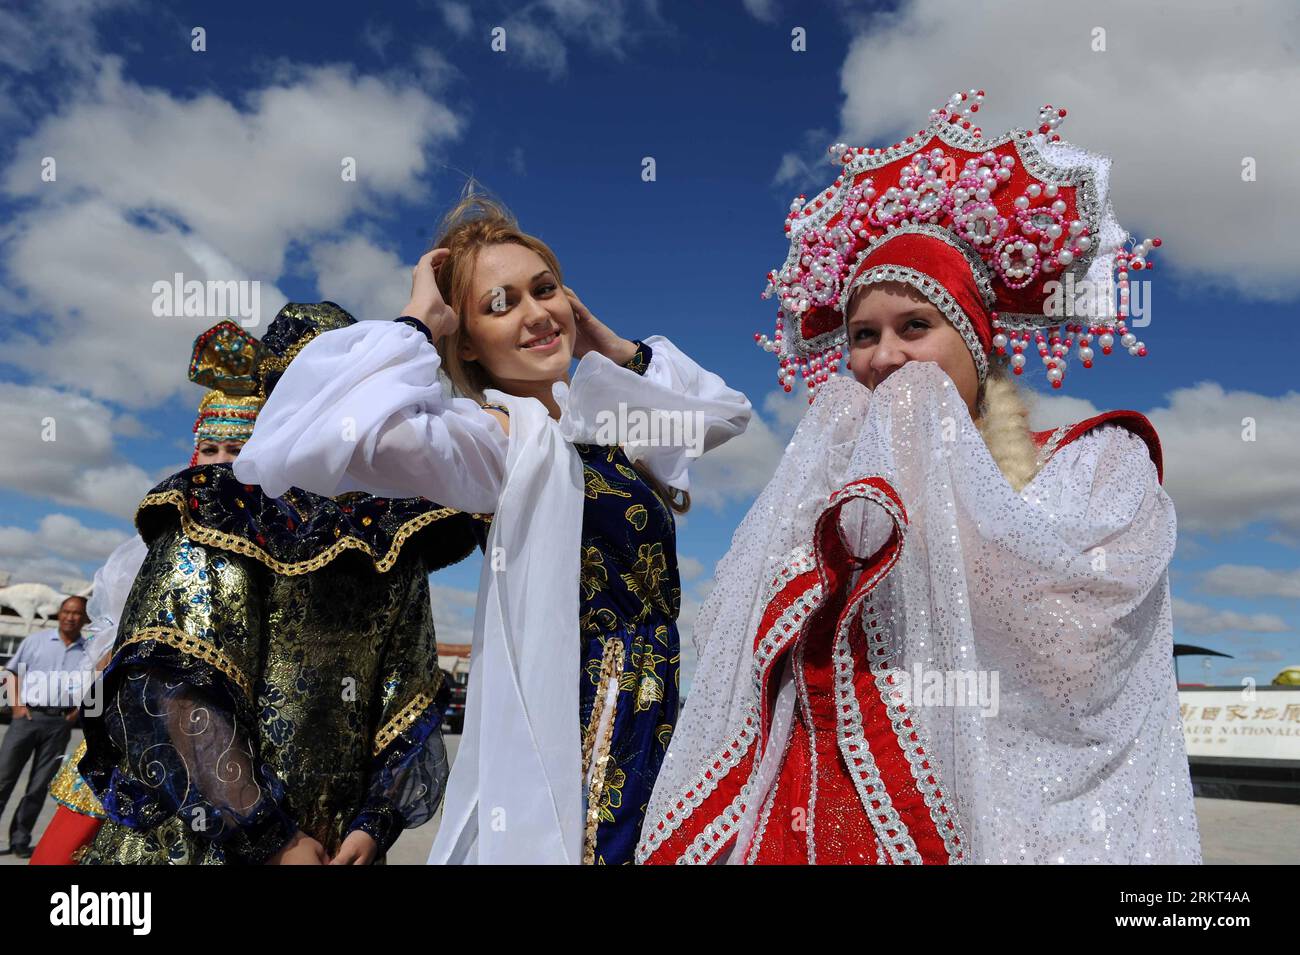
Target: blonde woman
573,681
939,637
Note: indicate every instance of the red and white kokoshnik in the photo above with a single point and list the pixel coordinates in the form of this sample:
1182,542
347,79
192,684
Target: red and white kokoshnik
890,551
1011,237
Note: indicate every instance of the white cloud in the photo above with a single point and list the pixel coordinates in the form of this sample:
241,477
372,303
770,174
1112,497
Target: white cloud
377,36
62,575
1181,96
1053,411
739,469
80,466
810,164
516,161
689,568
1238,580
59,535
538,46
56,38
765,10
55,552
368,281
458,18
453,612
692,601
786,408
541,34
1220,482
150,184
436,70
1205,621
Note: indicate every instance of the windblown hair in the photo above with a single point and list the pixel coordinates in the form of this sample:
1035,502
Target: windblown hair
1004,424
474,223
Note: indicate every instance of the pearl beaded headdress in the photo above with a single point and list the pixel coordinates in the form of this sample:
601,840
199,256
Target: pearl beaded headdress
1008,237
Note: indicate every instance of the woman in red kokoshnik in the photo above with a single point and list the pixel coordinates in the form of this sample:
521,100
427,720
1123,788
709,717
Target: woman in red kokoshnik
938,636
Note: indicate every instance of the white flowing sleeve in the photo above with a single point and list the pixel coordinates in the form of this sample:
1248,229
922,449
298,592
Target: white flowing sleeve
362,408
108,594
1076,637
681,409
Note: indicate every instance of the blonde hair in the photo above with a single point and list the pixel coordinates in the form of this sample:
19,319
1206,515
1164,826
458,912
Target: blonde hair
1004,425
474,223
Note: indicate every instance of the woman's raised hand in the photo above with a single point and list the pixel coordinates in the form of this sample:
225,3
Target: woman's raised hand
426,301
595,335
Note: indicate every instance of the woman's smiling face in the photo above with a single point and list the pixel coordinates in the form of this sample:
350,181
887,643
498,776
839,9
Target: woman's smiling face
891,324
518,323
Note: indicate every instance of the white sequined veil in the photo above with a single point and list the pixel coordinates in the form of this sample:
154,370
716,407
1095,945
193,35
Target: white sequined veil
1061,591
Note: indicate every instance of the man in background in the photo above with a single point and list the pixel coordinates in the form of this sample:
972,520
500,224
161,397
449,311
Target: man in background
44,681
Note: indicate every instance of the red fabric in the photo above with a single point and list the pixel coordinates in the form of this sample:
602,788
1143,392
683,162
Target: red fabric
945,265
835,821
1027,300
67,832
1134,421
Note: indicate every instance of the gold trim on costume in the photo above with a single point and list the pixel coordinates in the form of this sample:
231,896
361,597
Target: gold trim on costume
279,363
70,790
192,646
232,542
405,717
597,752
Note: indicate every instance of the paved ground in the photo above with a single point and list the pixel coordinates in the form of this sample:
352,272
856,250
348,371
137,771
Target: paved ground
1232,832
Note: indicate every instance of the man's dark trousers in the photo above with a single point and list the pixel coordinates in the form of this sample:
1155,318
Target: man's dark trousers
42,739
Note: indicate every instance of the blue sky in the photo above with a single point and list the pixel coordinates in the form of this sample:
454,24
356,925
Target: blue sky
226,161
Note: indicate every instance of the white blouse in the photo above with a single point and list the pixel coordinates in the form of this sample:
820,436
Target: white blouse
362,408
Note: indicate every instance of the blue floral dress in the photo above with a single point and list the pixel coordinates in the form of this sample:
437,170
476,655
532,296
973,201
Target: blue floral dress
631,654
628,600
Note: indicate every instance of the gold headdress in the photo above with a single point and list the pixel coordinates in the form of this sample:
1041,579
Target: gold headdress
225,360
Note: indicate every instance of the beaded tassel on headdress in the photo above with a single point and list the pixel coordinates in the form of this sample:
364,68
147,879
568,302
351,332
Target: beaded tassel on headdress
1027,213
